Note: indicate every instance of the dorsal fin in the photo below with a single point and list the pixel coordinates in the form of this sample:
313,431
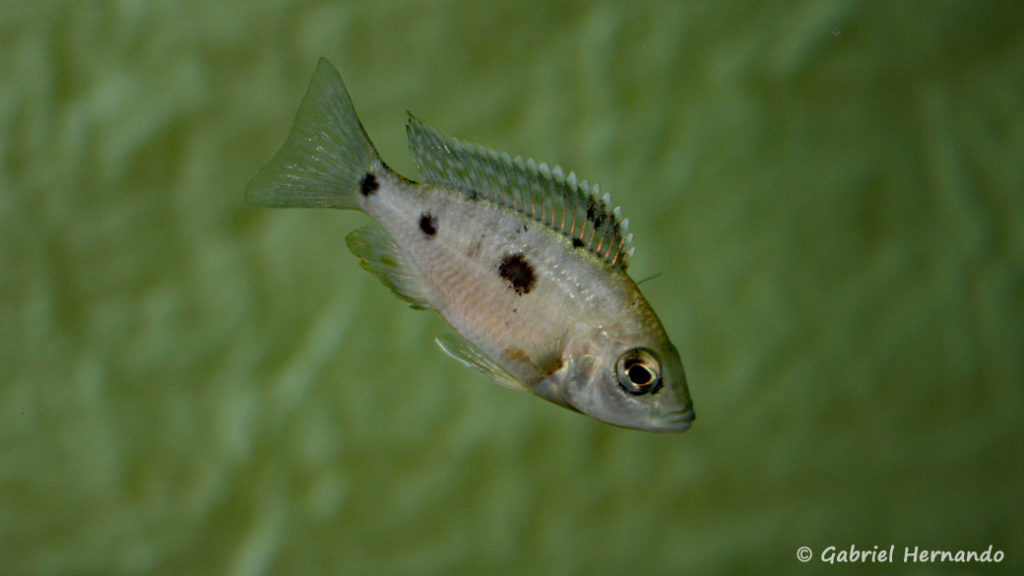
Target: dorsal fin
572,208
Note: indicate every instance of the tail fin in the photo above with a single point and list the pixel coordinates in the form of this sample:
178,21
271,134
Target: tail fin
326,156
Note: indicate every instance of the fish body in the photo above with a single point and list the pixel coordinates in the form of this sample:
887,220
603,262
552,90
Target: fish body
526,264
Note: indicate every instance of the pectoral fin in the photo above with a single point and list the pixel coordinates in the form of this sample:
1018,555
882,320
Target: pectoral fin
467,353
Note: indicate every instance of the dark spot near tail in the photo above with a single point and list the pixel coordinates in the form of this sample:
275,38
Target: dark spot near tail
474,195
523,228
368,185
428,223
518,273
577,243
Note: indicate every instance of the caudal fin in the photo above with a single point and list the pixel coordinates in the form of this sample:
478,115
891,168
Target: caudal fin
326,156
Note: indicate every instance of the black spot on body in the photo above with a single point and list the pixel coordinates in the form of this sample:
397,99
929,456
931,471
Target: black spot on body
428,224
368,185
523,228
518,273
577,243
474,195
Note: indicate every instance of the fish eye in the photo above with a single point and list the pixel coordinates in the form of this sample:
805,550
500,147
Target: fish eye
639,371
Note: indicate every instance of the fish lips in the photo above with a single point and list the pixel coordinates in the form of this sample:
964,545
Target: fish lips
679,422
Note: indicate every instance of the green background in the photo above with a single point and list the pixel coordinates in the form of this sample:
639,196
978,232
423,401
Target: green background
831,192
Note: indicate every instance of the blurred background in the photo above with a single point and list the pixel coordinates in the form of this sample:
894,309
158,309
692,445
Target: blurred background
831,192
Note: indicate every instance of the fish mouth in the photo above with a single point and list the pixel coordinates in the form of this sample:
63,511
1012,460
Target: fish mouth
678,422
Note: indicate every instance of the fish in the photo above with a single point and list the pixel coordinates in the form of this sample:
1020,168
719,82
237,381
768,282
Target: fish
525,263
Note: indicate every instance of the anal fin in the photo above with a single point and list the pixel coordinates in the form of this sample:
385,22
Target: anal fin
382,257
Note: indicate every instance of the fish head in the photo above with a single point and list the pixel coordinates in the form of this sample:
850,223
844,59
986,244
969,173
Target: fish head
632,379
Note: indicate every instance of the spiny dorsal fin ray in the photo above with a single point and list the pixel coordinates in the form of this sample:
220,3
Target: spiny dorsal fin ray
570,207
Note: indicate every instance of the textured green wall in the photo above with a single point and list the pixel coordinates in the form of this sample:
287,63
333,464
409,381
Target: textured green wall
833,193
